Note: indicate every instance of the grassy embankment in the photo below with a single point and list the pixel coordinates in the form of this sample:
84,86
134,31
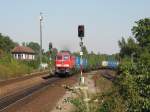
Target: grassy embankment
107,98
10,68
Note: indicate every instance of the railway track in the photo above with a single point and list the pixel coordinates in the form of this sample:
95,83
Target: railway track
29,76
108,74
9,100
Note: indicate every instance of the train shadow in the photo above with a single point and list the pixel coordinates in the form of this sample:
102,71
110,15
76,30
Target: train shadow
106,74
49,76
56,75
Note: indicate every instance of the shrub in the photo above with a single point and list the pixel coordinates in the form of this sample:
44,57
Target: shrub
10,67
133,84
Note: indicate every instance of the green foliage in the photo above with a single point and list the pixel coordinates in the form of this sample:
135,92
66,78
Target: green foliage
107,106
45,58
80,104
93,60
54,53
134,85
142,32
51,55
128,47
111,101
107,99
12,68
6,44
84,50
134,79
35,46
34,64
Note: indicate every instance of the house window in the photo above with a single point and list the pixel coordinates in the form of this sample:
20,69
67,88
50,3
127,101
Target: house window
22,56
19,56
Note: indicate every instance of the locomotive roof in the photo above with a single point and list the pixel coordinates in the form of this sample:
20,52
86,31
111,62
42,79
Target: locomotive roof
64,53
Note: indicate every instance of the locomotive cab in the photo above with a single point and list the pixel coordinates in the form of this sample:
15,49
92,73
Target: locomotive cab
64,63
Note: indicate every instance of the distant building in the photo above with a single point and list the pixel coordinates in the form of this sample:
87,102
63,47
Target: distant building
23,53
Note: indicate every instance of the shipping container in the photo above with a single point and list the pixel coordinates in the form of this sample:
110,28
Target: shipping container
110,64
79,62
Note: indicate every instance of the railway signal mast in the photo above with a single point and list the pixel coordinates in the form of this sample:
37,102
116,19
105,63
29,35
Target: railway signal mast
83,87
81,36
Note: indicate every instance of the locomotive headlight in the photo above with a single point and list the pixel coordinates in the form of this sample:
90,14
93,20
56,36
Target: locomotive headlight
66,65
58,65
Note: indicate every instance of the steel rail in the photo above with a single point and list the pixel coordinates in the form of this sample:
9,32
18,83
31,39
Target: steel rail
9,100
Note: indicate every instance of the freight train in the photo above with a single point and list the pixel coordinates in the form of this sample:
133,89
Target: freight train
110,64
67,64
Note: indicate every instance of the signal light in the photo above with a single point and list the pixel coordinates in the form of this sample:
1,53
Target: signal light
50,46
81,31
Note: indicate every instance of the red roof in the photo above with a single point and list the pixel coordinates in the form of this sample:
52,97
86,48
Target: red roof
22,49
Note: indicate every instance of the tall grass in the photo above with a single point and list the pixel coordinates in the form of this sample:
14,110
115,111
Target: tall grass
10,67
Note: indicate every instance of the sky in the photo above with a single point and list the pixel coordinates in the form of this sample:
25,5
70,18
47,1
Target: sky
105,21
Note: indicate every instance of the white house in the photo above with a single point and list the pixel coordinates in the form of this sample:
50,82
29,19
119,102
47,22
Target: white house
23,53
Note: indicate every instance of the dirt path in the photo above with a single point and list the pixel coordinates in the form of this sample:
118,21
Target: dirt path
64,105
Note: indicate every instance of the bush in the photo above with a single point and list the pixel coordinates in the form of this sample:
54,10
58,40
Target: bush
10,67
134,85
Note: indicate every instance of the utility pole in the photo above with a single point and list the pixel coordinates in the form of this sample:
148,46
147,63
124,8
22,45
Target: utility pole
50,57
41,19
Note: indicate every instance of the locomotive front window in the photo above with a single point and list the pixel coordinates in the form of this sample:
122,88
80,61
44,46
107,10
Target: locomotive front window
59,57
66,57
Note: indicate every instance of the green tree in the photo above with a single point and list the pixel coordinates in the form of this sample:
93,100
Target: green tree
134,84
142,32
84,50
6,44
128,47
24,44
35,46
52,53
